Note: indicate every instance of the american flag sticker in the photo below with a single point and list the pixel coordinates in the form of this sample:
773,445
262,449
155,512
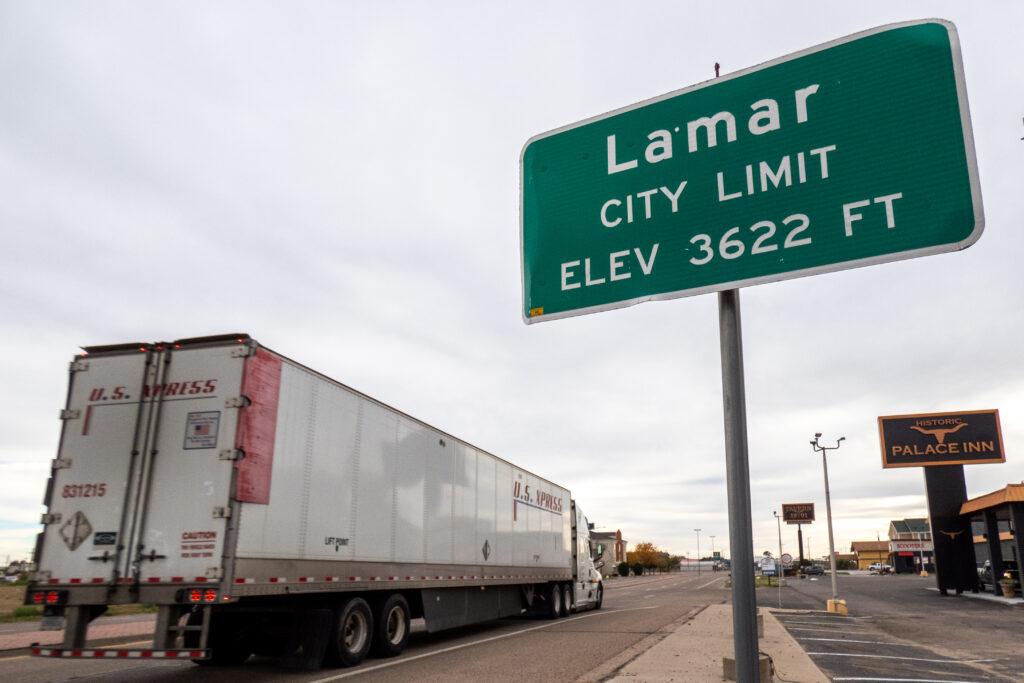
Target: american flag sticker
201,429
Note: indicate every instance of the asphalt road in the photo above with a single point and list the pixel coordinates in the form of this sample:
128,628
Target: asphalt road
590,645
900,629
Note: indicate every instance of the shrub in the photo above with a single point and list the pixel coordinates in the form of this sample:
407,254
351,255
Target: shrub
622,569
638,569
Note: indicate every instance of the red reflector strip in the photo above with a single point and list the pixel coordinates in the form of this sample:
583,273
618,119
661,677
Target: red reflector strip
153,579
201,579
177,579
74,581
97,579
53,581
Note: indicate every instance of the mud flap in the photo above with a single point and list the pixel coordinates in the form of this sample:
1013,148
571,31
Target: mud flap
308,643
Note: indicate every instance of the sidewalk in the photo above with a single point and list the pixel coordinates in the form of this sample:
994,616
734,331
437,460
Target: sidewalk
19,636
694,651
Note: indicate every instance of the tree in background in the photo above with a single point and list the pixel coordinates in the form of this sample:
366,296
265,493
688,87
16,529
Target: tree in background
623,569
647,556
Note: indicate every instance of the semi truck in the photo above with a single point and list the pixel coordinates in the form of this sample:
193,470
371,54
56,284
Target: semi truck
266,509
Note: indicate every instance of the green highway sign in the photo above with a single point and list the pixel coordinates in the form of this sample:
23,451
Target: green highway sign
852,153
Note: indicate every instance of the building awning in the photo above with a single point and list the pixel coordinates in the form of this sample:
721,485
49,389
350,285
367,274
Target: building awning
1012,493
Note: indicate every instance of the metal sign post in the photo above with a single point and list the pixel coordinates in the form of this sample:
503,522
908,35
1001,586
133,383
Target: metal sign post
737,474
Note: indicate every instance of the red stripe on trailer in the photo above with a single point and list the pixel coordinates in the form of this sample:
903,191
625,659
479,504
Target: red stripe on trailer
74,581
153,579
303,579
201,579
97,653
257,426
96,579
85,422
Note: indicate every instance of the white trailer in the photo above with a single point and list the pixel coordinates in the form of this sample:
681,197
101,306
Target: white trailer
267,509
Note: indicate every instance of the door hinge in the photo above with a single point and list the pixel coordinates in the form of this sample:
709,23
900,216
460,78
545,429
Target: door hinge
221,513
231,454
238,402
79,365
69,414
60,463
216,573
50,518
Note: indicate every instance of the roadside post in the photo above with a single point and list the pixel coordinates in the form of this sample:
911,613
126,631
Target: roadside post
762,175
787,562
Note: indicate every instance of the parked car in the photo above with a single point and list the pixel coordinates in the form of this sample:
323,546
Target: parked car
814,570
985,574
880,568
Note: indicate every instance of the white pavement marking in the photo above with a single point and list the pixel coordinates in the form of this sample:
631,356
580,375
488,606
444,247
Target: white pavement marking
822,630
815,623
709,583
404,660
903,680
909,659
850,640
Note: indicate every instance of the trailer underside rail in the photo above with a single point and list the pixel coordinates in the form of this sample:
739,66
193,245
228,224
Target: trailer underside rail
117,653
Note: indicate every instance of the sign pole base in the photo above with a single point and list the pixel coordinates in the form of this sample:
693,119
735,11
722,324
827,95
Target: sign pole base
741,540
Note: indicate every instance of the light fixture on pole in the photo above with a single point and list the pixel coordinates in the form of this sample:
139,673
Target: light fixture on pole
698,550
828,508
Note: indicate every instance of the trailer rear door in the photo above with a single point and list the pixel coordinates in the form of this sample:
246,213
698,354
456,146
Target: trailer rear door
185,499
105,424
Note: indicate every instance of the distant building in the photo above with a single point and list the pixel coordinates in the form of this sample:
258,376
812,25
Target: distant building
870,552
910,545
610,547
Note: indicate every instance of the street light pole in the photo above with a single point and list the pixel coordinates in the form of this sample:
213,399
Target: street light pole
712,547
778,523
828,506
698,551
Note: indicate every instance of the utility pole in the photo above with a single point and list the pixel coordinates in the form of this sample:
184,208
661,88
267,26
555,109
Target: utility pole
828,506
698,550
712,547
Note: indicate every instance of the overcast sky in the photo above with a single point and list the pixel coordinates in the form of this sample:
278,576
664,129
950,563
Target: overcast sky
340,180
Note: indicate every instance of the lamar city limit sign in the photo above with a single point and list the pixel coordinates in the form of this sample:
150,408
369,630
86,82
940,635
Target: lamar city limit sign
855,152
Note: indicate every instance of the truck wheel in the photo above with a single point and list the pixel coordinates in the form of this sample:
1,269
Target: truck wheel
352,634
600,596
554,601
566,600
391,627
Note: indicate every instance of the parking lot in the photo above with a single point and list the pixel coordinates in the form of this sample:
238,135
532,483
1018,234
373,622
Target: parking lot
899,629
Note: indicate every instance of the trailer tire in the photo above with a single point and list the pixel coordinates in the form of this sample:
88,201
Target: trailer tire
391,626
352,634
554,600
566,599
600,596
